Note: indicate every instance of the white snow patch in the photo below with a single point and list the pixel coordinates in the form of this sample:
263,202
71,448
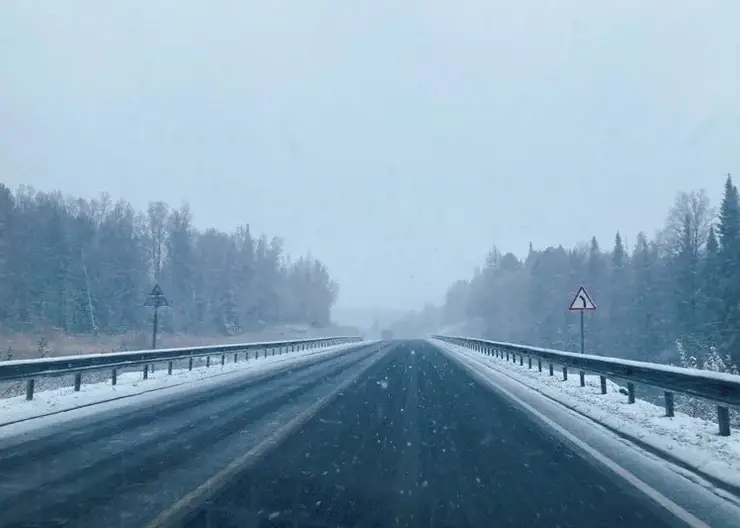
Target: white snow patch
721,376
44,403
694,441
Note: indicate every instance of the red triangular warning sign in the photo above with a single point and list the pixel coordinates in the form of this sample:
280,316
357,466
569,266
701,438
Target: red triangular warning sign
582,301
156,298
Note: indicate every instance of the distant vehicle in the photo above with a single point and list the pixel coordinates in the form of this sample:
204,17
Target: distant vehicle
386,335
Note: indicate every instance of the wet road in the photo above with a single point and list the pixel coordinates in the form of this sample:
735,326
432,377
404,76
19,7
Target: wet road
120,468
418,443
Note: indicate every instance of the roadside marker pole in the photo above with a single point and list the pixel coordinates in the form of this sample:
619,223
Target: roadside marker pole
580,303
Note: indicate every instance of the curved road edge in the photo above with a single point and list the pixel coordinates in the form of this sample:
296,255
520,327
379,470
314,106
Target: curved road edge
688,501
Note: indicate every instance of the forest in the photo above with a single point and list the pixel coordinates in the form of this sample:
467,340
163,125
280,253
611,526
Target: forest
670,298
86,266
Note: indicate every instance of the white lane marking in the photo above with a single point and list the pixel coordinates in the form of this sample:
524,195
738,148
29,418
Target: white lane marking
173,515
651,492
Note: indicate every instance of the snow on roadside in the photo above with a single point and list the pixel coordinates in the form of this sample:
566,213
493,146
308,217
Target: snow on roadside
694,441
47,402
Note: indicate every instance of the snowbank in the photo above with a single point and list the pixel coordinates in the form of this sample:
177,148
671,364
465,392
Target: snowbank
708,374
46,402
695,442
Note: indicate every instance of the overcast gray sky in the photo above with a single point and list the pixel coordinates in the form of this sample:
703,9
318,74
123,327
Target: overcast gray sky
397,140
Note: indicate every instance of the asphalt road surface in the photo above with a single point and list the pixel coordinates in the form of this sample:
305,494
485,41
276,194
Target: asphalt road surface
416,442
121,468
409,440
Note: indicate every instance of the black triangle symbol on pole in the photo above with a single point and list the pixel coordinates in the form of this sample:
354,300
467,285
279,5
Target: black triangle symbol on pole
156,291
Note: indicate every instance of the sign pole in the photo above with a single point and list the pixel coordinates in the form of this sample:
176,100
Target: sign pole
580,303
156,313
155,300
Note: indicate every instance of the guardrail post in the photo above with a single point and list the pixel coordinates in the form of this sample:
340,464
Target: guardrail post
507,355
223,359
723,417
551,370
208,361
265,350
669,406
583,378
529,358
273,351
246,354
236,357
602,381
78,381
29,389
565,373
190,364
521,360
146,371
539,364
169,368
630,393
114,377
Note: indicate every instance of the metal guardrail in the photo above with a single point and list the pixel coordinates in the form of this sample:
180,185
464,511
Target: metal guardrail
719,388
29,369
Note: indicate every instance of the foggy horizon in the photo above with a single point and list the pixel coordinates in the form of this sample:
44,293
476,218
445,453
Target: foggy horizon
397,144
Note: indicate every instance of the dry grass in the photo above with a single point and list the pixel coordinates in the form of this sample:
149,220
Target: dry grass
51,343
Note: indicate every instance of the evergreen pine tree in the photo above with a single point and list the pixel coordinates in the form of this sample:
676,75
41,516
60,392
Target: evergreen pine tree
729,270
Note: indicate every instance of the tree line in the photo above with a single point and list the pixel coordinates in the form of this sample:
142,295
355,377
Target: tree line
87,266
673,298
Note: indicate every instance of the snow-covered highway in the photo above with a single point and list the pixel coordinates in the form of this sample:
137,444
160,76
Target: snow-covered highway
402,433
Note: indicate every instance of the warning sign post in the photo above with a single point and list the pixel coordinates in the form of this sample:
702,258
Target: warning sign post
582,302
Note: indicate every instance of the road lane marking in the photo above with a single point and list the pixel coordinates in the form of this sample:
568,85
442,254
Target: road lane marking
175,514
660,499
